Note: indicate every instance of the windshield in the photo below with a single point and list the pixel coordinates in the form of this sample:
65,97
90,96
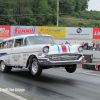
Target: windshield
39,40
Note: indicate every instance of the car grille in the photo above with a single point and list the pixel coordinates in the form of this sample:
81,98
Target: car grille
63,57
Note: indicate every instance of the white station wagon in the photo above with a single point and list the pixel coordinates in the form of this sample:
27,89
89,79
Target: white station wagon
37,52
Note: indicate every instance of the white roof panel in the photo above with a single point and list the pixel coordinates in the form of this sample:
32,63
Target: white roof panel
23,36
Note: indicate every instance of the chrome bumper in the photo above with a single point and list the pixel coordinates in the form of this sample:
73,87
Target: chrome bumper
47,62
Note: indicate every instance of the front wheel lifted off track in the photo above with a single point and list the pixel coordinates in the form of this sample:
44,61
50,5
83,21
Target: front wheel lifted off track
5,68
35,67
71,68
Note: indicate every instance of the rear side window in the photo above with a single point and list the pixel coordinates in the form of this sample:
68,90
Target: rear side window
4,45
18,42
10,44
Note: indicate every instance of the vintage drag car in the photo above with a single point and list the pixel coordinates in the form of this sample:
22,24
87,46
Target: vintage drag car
37,52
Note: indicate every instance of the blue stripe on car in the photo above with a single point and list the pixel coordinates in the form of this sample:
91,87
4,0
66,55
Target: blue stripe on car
69,48
2,54
58,49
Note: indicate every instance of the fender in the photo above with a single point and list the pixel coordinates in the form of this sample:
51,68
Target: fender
29,59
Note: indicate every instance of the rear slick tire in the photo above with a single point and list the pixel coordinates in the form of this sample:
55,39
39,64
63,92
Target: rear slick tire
5,68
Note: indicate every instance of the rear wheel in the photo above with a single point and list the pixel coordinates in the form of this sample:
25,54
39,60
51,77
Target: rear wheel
5,68
35,67
71,68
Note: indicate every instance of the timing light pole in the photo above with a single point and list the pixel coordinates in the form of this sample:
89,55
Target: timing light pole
57,12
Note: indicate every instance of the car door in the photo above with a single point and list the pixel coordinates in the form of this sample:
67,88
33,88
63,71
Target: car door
17,52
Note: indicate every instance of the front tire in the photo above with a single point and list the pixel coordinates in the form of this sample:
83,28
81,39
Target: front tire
5,68
71,68
35,67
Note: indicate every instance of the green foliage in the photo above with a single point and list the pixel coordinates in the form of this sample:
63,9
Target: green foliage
28,12
69,6
73,13
70,21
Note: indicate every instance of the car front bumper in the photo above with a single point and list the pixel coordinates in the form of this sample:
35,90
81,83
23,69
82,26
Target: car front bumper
47,62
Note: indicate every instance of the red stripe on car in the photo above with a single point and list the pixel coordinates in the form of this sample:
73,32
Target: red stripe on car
64,48
40,35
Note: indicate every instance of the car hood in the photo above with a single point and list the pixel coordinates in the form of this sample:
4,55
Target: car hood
53,49
63,49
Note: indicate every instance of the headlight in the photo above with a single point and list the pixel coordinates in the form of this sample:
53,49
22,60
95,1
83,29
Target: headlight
80,49
45,49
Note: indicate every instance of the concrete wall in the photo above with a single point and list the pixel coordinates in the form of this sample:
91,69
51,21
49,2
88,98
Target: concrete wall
96,54
72,41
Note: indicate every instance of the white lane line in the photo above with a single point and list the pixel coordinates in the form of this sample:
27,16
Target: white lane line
91,74
13,95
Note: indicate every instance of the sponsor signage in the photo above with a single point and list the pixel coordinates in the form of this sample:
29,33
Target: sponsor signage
5,31
22,30
96,33
56,32
77,32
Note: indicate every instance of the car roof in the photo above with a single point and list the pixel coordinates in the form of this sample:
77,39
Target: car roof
23,36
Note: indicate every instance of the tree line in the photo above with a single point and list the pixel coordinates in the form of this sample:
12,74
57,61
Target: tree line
42,12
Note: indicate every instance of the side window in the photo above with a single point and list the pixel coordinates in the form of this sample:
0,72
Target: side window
4,45
18,43
10,44
1,45
26,42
